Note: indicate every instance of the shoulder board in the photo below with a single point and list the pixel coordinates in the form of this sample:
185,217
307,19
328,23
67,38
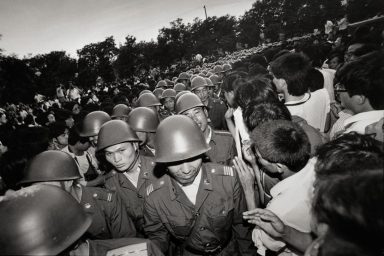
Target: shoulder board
102,194
217,101
223,133
155,186
222,170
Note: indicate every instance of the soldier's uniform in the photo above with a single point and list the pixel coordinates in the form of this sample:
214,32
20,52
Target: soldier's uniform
216,113
132,197
145,151
201,229
109,218
164,113
223,148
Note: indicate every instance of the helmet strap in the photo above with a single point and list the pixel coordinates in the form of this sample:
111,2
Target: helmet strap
134,161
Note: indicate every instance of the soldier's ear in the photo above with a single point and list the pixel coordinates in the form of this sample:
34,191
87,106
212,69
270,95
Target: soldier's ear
136,146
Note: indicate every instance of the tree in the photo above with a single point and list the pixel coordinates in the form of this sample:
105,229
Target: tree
96,60
53,68
126,60
16,81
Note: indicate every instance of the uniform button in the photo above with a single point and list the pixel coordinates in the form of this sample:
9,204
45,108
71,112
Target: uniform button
197,214
139,196
152,163
202,228
95,195
162,182
213,171
87,206
207,244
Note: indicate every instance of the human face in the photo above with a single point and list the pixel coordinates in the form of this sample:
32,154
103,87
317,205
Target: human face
76,109
121,156
350,53
62,139
69,122
93,140
334,63
342,94
186,171
271,168
169,103
3,119
51,118
202,93
199,116
230,98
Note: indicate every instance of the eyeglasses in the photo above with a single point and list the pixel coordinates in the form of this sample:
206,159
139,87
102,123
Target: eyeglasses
340,88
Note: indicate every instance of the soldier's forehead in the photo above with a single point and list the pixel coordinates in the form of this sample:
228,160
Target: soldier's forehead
119,146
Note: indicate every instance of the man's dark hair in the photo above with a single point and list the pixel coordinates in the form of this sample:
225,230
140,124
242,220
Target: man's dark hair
351,206
74,136
365,77
257,89
233,80
349,154
256,114
284,142
314,80
293,68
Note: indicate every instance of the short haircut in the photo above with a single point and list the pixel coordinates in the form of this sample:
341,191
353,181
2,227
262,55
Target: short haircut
365,77
348,154
233,80
314,80
351,206
284,142
258,113
293,68
257,89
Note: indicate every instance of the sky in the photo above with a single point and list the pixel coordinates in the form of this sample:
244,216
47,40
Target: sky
41,26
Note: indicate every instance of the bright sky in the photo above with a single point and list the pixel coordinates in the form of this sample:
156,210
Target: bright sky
41,26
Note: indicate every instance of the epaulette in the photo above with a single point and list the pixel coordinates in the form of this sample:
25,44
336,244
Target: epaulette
223,170
104,195
155,186
217,100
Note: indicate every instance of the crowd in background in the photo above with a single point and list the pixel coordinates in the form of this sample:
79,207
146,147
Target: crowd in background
304,123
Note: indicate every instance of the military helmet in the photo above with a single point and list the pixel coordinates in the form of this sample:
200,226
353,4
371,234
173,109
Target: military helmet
215,79
161,84
115,132
120,110
179,138
168,93
51,165
178,95
198,82
218,69
187,101
40,220
92,123
157,92
209,82
183,76
179,87
148,100
144,91
143,119
227,67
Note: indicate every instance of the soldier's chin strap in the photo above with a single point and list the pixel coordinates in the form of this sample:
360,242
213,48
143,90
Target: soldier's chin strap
130,167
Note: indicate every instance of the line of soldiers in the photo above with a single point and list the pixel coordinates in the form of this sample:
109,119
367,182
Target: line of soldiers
167,185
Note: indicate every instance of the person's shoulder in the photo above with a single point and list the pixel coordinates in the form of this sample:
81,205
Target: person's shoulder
219,170
156,186
100,194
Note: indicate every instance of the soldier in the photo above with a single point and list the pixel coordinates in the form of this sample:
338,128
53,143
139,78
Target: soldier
168,101
221,142
56,224
109,218
149,100
216,108
157,92
179,87
118,150
195,204
121,112
144,122
91,125
184,79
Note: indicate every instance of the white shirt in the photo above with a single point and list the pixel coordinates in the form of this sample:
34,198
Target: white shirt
291,202
358,122
329,75
192,189
82,163
133,176
240,125
313,108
